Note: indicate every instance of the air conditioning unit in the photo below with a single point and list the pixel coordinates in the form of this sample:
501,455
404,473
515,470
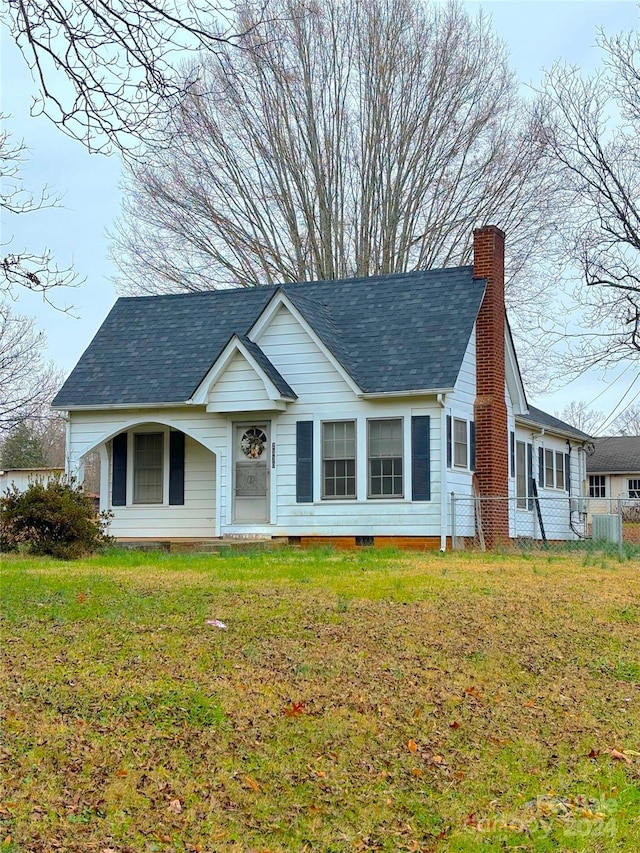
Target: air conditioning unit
606,527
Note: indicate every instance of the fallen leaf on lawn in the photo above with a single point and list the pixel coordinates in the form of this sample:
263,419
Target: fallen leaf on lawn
294,709
454,725
619,756
412,746
253,785
530,704
417,772
122,773
81,598
593,753
473,691
438,759
7,841
175,807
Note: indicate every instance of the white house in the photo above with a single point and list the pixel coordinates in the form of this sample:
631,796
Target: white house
614,472
348,409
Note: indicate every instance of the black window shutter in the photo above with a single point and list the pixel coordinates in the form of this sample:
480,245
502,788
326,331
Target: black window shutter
472,445
541,467
449,447
567,472
304,462
420,458
176,468
119,470
512,447
530,475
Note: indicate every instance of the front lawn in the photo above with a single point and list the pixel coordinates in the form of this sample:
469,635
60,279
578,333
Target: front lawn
357,701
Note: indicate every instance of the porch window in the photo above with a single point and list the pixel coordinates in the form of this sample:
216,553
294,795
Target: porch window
148,455
339,459
385,474
597,488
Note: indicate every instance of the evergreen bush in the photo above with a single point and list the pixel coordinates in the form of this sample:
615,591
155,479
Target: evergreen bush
56,519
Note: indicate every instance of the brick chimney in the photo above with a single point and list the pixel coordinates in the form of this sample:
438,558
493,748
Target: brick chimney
492,440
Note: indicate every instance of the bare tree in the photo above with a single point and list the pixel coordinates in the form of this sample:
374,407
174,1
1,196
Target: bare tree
27,383
592,126
345,139
37,272
578,414
105,70
628,421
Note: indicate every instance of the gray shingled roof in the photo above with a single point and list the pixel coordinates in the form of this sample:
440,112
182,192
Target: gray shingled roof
274,375
537,416
615,455
390,333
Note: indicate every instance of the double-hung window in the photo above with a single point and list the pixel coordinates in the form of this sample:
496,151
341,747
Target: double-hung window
339,459
460,445
634,488
385,451
148,454
597,488
554,476
522,487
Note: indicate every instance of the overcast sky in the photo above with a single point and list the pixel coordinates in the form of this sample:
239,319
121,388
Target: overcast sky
536,33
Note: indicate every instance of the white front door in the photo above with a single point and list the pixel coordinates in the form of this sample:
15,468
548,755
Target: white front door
251,473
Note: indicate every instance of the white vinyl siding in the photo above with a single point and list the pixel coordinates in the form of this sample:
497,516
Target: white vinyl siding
237,388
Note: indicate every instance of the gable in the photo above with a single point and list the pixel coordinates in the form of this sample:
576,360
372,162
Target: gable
237,387
308,368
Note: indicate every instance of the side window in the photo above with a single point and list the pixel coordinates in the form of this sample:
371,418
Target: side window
385,450
634,488
560,482
339,459
549,479
521,475
460,444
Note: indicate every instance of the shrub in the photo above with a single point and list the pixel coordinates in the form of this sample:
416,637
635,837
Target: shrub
56,519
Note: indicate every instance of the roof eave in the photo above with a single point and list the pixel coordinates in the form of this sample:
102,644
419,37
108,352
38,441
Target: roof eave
102,407
412,392
525,421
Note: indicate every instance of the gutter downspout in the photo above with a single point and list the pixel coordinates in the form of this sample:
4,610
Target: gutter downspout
441,398
67,445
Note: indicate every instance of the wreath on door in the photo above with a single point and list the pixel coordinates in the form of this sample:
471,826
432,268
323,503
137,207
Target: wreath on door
253,443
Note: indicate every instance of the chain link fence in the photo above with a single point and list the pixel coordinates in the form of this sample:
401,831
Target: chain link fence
530,522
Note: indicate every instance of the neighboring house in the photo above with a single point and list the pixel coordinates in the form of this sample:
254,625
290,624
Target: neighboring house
614,472
21,478
346,408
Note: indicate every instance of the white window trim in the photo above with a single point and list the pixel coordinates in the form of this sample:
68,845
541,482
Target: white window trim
334,498
458,465
145,430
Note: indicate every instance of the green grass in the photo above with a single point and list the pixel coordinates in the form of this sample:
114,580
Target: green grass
369,700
